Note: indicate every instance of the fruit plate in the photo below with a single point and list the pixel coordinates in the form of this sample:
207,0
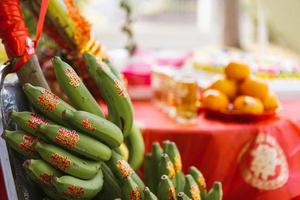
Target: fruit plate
231,116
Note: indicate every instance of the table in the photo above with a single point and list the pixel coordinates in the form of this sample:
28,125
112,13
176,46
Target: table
257,160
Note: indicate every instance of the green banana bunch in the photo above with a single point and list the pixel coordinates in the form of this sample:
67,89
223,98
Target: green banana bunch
111,188
130,190
166,167
21,142
46,102
95,126
216,192
114,93
136,147
76,142
165,190
74,88
67,162
74,188
191,188
199,179
148,195
28,121
182,196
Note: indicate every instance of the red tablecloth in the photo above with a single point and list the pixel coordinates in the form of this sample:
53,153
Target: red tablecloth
258,160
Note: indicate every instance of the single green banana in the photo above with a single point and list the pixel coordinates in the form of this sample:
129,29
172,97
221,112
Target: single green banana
136,147
67,162
41,172
182,196
28,121
21,142
174,156
74,88
156,156
166,190
216,192
75,141
149,176
198,177
148,195
114,93
111,188
95,126
191,188
122,169
74,188
179,181
130,190
166,145
46,102
166,167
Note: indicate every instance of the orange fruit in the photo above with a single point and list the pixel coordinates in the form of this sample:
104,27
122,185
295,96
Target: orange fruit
228,87
248,105
271,103
254,87
237,71
215,100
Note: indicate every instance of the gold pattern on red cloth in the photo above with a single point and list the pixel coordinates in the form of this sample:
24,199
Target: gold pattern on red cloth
61,162
48,101
74,79
87,124
124,168
66,137
74,191
27,144
45,179
36,120
135,194
121,91
263,164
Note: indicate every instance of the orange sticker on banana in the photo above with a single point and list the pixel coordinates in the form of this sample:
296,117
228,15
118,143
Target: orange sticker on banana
45,178
36,120
87,124
135,194
124,168
74,191
61,162
121,91
27,144
48,101
67,138
74,80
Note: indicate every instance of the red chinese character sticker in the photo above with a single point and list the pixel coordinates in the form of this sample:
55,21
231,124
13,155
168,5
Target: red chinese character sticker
67,138
74,191
74,79
36,120
27,144
48,101
87,124
124,168
135,194
61,162
45,178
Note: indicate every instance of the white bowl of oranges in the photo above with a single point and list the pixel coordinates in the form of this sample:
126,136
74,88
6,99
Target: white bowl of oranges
239,95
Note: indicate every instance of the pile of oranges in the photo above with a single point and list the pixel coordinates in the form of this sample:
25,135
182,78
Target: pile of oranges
239,93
